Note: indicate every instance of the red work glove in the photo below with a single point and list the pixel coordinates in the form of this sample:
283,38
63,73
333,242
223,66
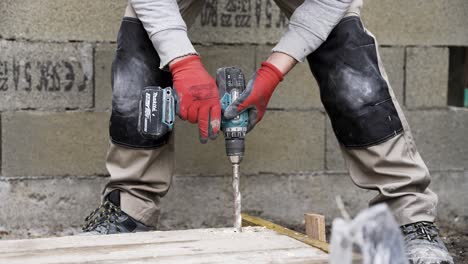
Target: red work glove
198,96
256,96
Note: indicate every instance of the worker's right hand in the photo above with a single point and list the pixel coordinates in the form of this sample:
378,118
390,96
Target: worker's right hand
257,94
198,96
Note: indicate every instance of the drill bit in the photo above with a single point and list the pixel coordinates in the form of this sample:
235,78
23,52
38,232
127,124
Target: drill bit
237,198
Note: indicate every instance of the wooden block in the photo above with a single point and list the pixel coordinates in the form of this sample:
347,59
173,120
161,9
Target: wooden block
315,226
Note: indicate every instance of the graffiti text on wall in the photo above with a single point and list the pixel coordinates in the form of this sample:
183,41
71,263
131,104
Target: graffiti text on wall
41,76
241,14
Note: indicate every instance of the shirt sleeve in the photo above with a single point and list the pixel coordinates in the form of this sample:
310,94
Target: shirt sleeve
310,25
165,27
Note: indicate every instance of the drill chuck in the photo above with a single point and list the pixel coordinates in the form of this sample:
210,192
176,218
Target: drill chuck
235,149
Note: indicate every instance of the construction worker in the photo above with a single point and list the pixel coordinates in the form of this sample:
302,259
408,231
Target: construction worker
154,49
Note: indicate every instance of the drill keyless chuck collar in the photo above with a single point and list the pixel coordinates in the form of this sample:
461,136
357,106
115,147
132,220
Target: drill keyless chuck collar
235,148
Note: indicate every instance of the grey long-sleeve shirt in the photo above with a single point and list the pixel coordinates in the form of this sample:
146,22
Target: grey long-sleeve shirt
309,27
165,27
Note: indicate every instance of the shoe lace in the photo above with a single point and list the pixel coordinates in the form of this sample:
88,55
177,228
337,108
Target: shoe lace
105,215
421,230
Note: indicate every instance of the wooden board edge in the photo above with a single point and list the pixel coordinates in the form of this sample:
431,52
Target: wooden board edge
248,220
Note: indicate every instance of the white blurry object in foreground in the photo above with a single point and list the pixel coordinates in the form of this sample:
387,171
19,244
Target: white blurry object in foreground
374,232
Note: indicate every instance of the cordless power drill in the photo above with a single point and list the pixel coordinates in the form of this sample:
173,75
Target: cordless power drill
231,83
157,115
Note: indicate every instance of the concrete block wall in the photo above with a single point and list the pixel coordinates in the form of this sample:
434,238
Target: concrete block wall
55,98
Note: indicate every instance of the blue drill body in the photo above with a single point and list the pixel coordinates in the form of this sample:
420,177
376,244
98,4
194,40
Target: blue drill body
231,84
238,123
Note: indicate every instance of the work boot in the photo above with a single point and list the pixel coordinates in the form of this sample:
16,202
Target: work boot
423,244
108,218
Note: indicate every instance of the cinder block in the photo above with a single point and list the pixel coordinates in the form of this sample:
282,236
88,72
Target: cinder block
393,59
103,57
441,137
54,144
210,205
287,142
298,90
417,22
45,75
218,56
427,71
225,21
44,207
53,20
194,158
283,142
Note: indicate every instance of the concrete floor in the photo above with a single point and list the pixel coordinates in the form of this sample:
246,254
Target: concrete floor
221,245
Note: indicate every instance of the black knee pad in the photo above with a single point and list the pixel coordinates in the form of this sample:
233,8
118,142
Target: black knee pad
136,66
352,89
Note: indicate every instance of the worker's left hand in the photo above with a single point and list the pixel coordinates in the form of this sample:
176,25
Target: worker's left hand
256,96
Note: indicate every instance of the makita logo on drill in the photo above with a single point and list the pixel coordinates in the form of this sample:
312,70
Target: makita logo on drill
147,111
155,102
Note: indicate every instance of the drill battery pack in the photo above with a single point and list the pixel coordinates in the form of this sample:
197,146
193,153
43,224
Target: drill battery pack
156,112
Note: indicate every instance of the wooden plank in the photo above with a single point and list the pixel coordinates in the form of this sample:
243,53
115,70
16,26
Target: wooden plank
164,237
249,220
224,245
315,226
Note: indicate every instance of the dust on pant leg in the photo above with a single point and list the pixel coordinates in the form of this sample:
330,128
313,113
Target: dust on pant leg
352,89
136,66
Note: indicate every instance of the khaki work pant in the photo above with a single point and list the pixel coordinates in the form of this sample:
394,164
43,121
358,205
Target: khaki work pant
394,167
